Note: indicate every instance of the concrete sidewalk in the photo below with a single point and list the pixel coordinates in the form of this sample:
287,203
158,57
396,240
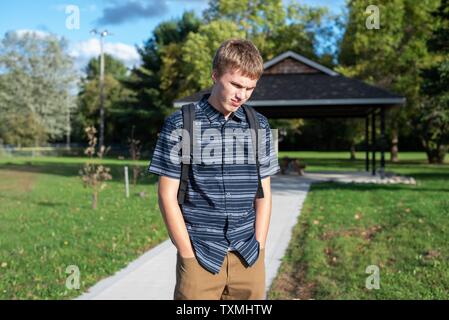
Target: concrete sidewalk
152,275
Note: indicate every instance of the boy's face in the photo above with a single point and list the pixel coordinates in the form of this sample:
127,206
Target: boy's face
231,90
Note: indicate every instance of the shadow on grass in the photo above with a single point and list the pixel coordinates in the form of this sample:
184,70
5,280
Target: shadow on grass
50,204
39,203
366,187
313,164
72,170
117,170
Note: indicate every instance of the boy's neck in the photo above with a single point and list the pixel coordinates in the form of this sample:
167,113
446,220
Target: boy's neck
213,102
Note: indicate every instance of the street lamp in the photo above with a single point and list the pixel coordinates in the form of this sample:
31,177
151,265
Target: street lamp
102,34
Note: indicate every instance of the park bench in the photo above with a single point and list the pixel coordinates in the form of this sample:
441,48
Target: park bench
292,165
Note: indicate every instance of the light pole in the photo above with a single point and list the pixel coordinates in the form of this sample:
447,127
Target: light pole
102,34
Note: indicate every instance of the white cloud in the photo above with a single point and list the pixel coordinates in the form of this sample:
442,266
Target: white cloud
85,50
38,33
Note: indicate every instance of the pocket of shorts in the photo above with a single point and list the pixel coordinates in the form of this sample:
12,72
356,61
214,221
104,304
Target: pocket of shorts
186,265
186,259
261,254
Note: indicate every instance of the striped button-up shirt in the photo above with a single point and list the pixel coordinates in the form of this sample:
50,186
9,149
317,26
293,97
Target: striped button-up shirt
219,208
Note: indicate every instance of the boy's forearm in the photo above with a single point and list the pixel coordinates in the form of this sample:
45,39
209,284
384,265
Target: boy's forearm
175,224
263,213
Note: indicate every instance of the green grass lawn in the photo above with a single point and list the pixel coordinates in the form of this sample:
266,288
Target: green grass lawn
344,228
47,224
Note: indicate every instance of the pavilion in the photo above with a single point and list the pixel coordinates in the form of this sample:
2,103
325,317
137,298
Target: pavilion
293,86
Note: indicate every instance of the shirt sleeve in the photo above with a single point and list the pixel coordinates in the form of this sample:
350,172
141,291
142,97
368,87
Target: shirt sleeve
166,159
268,158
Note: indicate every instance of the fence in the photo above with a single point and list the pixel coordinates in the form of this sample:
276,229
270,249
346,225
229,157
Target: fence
62,150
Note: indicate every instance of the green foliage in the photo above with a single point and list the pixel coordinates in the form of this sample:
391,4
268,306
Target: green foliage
37,84
112,66
432,123
432,118
186,64
253,16
22,129
116,95
153,88
199,50
390,57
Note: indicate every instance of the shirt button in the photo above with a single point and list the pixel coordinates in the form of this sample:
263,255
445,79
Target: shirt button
228,194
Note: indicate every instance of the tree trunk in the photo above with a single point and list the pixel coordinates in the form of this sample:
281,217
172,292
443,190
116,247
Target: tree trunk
136,172
94,200
353,154
437,155
394,145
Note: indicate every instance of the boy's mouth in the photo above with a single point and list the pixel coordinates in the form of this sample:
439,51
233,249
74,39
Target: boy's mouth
235,103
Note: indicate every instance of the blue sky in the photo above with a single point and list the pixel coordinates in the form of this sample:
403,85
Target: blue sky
130,22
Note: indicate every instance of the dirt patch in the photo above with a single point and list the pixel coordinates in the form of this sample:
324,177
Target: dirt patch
331,256
365,233
17,181
292,285
432,255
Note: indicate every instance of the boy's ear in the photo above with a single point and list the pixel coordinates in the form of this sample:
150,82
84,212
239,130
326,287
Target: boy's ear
214,76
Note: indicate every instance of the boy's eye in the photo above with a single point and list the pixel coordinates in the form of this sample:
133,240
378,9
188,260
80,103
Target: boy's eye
240,87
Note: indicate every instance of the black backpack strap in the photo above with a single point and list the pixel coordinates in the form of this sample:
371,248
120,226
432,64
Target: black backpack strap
188,116
254,129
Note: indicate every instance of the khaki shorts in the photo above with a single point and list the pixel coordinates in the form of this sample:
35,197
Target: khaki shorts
235,281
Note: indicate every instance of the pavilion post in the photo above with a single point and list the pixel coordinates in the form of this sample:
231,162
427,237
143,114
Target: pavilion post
367,143
382,145
373,141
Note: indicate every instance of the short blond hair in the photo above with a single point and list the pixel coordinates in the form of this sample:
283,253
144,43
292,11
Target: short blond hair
238,54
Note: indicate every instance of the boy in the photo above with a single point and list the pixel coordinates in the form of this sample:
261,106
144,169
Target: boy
221,228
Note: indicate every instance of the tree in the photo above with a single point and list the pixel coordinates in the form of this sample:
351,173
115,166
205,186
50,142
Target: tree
134,150
432,119
37,83
199,50
310,31
94,176
389,57
115,94
275,28
113,66
152,99
254,16
177,60
21,128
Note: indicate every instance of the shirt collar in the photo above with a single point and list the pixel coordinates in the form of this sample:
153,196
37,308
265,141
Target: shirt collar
213,114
